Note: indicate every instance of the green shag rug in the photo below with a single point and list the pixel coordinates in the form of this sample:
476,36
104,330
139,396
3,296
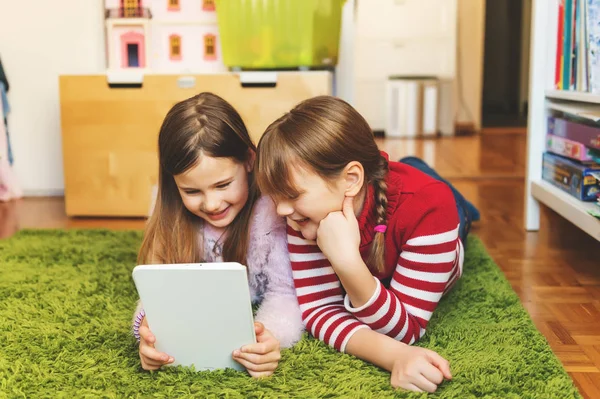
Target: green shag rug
66,300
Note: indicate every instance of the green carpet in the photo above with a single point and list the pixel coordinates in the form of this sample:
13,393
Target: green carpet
66,299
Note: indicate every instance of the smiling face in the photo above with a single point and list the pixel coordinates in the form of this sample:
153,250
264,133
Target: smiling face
315,155
215,189
316,199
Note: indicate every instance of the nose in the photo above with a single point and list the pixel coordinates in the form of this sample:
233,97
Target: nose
212,203
284,208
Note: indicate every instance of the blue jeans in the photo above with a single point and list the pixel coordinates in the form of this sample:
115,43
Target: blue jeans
466,211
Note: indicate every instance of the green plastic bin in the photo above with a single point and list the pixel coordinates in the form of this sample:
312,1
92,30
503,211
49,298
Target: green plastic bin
262,34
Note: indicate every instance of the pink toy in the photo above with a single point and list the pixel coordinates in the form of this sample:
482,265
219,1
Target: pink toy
163,36
568,148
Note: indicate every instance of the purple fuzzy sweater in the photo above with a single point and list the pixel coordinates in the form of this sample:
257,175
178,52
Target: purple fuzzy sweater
269,272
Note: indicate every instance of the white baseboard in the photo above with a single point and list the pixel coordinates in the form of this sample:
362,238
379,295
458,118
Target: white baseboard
51,192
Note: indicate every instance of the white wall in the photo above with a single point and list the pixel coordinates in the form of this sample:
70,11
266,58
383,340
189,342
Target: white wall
60,37
113,3
344,69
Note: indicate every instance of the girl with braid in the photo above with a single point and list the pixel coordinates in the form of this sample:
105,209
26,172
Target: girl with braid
373,244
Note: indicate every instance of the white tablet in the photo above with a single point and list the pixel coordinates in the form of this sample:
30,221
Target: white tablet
199,313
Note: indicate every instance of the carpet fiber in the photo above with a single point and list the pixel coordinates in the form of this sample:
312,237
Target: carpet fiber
66,299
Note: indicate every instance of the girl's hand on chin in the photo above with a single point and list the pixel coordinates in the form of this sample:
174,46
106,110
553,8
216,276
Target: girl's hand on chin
338,237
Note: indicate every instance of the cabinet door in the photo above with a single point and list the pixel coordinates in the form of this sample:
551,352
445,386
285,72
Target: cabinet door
369,100
405,19
109,183
383,58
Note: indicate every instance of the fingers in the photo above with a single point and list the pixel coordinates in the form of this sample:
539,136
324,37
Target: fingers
405,385
151,365
425,384
415,384
257,368
146,335
348,207
412,387
153,354
260,358
264,346
259,328
153,358
271,357
260,374
432,373
261,348
442,364
150,358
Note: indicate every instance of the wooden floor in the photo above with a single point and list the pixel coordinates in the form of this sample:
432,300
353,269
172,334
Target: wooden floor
556,271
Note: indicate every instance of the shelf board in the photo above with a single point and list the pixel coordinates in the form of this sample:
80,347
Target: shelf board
567,206
573,96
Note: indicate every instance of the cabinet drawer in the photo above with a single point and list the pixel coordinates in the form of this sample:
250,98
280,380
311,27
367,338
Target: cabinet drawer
381,59
109,183
403,19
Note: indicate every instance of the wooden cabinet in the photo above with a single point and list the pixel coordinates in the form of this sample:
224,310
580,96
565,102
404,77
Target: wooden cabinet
110,134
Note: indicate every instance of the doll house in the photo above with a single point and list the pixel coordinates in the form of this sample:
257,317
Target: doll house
164,36
127,33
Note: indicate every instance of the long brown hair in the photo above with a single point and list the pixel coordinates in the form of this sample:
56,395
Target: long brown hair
325,133
202,125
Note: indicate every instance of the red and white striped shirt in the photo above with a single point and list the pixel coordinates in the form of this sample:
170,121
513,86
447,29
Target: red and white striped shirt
423,260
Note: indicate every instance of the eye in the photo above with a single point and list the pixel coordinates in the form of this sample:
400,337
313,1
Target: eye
291,198
223,186
191,192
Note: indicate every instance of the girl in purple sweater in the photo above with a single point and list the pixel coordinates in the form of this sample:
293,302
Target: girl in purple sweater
209,209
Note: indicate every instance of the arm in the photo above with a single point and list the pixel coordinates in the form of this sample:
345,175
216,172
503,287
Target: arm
279,311
320,294
411,367
427,266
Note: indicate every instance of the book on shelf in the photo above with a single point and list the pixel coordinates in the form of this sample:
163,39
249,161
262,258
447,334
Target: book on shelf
558,72
593,42
586,134
569,148
577,63
574,178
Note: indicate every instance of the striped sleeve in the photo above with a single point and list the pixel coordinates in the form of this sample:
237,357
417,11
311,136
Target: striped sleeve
320,294
430,262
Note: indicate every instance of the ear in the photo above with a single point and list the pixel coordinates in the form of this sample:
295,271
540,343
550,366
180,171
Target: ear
251,160
353,178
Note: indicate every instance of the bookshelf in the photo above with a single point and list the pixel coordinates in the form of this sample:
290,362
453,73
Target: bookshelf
543,98
573,96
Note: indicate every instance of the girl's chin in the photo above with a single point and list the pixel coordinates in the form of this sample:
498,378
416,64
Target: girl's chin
309,232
